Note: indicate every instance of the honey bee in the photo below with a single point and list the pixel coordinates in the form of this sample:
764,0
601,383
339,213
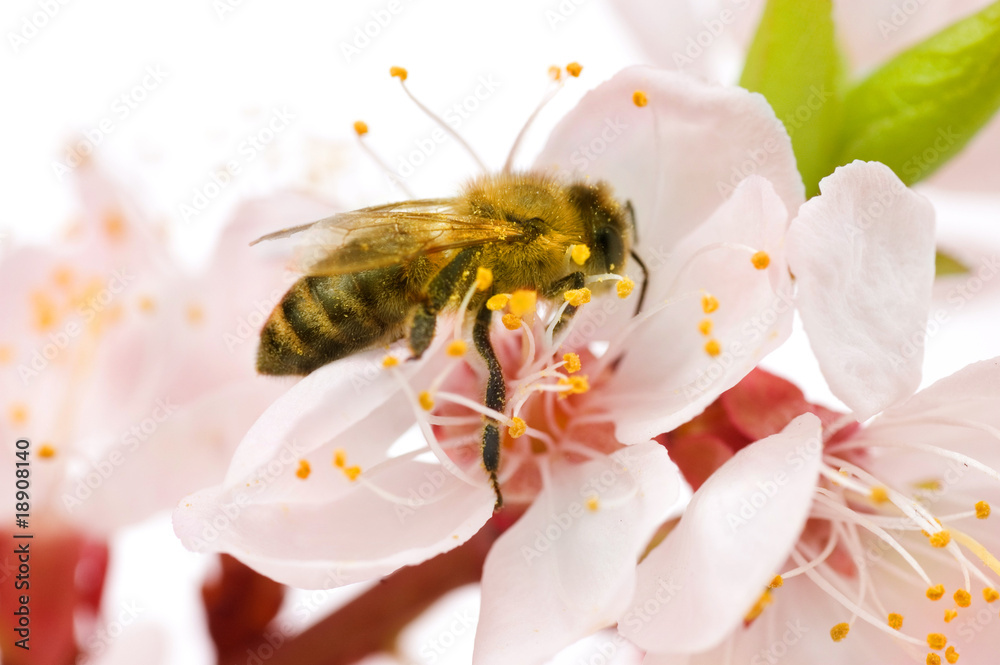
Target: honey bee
375,275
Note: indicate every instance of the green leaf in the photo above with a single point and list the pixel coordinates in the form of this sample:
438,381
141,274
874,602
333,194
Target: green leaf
946,265
922,107
794,62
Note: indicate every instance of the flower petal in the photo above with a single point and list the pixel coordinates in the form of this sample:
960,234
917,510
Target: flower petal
668,373
565,570
863,256
739,528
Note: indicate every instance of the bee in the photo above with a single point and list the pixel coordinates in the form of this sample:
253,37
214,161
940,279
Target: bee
376,275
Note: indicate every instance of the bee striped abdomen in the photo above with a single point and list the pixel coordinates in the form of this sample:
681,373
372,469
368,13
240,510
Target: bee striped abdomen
325,318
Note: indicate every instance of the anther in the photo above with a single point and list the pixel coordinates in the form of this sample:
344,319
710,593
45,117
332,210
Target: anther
593,503
304,469
426,401
360,127
705,327
46,451
940,539
991,595
758,607
457,348
776,582
574,385
6,353
579,254
713,348
639,98
949,615
936,592
933,659
498,302
895,621
936,641
19,414
625,287
523,301
390,361
195,314
709,303
574,69
840,631
760,260
572,362
398,72
511,321
982,510
484,278
555,72
352,472
962,598
577,297
517,427
951,655
879,495
340,458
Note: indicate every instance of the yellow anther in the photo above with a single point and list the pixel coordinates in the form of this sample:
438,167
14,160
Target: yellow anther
484,278
574,385
840,631
936,592
574,69
776,582
147,305
760,260
758,607
713,348
933,659
511,321
114,226
457,348
879,495
352,472
18,414
593,503
6,353
390,361
555,72
46,451
895,621
63,276
625,287
949,615
577,297
962,598
709,303
522,301
398,72
498,302
940,539
951,655
426,401
930,485
304,469
991,595
360,127
982,510
44,311
340,458
936,641
517,427
639,98
705,327
579,254
572,361
195,314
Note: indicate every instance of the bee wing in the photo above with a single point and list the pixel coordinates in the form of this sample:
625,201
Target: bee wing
391,234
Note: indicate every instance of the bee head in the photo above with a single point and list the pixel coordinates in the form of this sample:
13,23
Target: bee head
607,224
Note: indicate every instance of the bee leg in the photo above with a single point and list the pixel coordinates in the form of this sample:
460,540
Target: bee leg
572,281
422,330
496,398
453,279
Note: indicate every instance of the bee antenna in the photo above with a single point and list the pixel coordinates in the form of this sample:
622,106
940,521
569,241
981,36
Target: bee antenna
401,74
360,129
574,69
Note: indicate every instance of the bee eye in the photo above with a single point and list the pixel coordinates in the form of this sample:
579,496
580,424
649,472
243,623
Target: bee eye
611,246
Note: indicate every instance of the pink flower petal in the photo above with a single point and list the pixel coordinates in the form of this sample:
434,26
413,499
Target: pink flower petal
863,257
566,569
667,374
739,528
